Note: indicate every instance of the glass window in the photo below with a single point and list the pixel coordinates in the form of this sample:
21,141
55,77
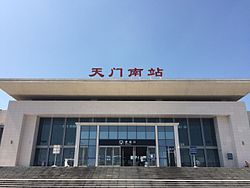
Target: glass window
131,132
169,132
92,132
163,162
162,152
99,119
84,132
91,152
83,156
68,153
1,133
200,158
116,156
70,134
44,131
195,132
92,142
170,142
57,131
183,131
104,132
113,132
185,157
141,132
114,120
140,120
150,132
41,157
162,142
126,120
212,158
91,162
109,155
167,120
122,132
153,120
84,142
86,119
102,156
209,132
161,132
52,158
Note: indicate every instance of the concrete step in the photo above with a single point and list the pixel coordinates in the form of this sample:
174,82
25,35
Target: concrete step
123,177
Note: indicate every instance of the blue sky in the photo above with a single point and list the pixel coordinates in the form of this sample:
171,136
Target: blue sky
65,39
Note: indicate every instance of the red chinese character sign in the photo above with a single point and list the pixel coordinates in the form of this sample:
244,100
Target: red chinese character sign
131,72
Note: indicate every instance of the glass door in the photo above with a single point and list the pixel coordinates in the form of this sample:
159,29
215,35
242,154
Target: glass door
151,156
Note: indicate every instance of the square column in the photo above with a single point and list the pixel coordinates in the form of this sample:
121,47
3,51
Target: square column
77,144
177,146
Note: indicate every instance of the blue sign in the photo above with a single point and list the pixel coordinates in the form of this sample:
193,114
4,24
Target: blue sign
193,150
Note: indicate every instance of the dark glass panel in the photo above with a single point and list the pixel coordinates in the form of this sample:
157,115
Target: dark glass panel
183,131
185,157
169,132
200,158
162,152
140,120
170,142
162,142
99,119
92,142
213,158
41,157
167,120
84,132
131,132
195,132
92,132
86,119
57,131
70,134
141,132
68,153
83,156
91,162
113,132
1,134
91,152
122,132
52,157
153,120
161,132
126,120
109,154
150,132
102,154
104,132
114,120
44,131
84,142
209,132
163,162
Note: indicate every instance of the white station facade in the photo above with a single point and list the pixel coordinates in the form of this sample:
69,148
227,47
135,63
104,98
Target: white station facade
155,123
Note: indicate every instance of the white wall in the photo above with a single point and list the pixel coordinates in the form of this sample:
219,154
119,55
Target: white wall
18,138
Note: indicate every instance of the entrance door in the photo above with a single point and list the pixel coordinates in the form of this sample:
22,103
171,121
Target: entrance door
171,156
141,156
127,158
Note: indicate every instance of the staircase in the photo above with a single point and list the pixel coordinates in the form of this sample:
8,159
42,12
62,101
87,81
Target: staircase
123,177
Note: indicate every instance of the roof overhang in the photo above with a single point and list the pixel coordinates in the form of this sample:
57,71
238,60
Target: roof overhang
72,89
